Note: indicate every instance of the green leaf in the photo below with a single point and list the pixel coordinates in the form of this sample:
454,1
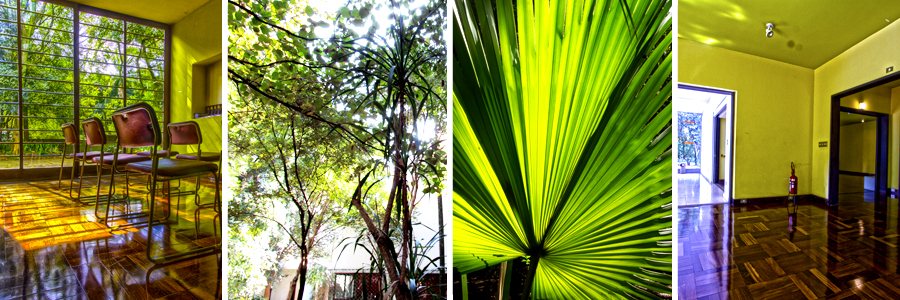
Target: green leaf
561,143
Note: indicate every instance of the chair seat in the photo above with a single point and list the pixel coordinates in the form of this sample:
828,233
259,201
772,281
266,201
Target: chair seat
205,156
161,153
124,159
173,167
90,154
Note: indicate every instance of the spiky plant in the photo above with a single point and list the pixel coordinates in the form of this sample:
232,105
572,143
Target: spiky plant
562,144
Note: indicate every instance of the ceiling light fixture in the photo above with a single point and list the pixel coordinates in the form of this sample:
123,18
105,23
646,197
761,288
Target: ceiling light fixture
770,30
862,105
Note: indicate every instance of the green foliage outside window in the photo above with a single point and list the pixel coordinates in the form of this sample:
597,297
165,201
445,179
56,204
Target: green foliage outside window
121,63
689,125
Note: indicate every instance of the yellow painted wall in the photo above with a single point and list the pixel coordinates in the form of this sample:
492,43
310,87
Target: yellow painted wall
864,62
773,115
877,100
858,147
195,38
214,86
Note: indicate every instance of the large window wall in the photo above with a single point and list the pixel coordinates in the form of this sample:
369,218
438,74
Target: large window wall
61,63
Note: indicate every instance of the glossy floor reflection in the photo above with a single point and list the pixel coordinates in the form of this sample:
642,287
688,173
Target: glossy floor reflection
751,252
53,248
692,189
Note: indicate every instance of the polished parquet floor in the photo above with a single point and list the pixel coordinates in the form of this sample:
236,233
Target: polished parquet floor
53,248
753,252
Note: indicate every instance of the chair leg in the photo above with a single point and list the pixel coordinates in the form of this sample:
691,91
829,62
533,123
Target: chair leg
80,182
61,166
72,175
97,199
152,198
197,223
112,184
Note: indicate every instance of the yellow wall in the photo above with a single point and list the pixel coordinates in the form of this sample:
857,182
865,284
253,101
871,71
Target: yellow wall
864,62
858,147
773,115
195,38
214,86
877,100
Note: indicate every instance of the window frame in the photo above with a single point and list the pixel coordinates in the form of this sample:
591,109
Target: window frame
41,173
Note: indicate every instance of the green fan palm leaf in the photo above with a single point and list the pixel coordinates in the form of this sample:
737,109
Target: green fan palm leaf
562,144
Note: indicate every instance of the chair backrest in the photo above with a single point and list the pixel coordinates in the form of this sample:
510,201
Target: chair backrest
70,132
137,126
94,134
184,133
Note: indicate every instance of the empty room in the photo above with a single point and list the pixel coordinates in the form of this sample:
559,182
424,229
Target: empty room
808,206
110,141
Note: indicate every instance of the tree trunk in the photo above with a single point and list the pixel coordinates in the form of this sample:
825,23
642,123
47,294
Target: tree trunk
386,249
300,277
441,231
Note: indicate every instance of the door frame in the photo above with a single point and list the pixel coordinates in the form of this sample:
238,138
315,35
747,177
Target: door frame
727,192
882,140
717,128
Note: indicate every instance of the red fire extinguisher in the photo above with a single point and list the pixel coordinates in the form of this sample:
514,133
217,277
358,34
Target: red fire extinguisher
793,188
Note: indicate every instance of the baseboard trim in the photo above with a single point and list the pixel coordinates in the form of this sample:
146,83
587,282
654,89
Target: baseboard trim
764,200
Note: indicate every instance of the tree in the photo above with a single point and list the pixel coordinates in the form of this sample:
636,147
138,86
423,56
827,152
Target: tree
379,88
286,162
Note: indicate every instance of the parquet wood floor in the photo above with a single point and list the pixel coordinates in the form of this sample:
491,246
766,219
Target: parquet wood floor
52,248
752,252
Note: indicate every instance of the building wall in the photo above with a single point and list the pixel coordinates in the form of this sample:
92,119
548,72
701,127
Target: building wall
773,115
195,38
864,62
858,147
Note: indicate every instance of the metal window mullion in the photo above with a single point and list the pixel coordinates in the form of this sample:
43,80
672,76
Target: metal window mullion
142,68
102,39
101,27
167,75
140,89
44,79
44,27
47,105
45,41
100,50
76,54
147,36
43,53
48,67
52,16
148,79
21,106
100,85
124,62
101,97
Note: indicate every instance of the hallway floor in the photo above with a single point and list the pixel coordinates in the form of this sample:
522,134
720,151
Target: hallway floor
751,252
692,189
52,248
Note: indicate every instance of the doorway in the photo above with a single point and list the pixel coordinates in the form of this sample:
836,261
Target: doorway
872,100
705,145
720,146
857,161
